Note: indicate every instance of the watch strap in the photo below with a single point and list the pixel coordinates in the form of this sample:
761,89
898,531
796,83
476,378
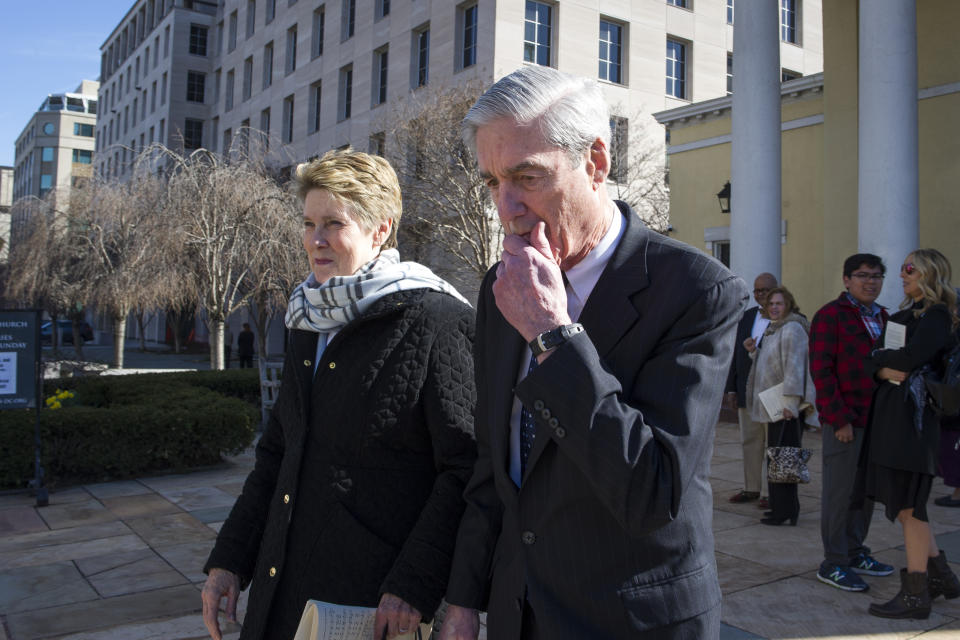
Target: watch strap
554,338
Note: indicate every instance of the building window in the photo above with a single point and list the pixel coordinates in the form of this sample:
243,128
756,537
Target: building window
291,49
83,156
268,65
316,94
786,74
271,11
163,89
247,88
216,86
166,42
192,133
46,154
721,251
195,85
345,97
227,140
678,3
537,33
348,19
219,49
288,119
676,69
46,183
611,51
265,128
251,17
228,101
377,144
232,36
381,9
214,134
729,73
729,11
468,36
380,60
80,129
619,148
421,45
788,21
198,40
162,137
316,44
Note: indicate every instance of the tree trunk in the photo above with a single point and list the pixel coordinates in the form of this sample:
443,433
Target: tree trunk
77,340
142,326
216,344
119,340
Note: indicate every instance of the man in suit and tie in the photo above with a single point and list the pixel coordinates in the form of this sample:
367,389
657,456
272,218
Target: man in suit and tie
589,511
753,435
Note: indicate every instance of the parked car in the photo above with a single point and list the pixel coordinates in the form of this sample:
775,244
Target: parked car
66,331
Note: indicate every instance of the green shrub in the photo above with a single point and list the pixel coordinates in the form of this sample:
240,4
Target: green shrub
124,426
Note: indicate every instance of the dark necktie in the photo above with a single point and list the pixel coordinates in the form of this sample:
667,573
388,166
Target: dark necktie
528,428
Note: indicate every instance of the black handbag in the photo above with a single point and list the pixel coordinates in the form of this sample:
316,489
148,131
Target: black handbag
788,465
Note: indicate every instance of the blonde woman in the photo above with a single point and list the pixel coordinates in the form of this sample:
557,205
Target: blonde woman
357,488
901,453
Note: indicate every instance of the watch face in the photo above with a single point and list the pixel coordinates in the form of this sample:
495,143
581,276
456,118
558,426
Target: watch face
48,128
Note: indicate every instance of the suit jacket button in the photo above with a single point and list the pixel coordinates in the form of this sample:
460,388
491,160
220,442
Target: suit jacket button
528,537
546,414
286,498
538,405
560,432
553,422
273,571
333,365
307,363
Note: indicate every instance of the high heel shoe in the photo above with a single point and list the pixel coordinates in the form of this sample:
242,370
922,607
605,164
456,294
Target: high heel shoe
776,522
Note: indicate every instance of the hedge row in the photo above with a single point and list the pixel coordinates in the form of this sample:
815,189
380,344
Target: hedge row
124,426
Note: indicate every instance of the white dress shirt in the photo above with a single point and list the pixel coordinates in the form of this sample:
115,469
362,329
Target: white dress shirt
581,279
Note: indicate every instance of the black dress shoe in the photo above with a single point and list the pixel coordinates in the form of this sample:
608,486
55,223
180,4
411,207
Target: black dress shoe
947,501
776,522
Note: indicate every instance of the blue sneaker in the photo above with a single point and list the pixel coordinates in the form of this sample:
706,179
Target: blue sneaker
868,566
841,578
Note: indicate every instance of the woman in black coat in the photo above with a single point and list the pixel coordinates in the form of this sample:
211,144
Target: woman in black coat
904,433
357,489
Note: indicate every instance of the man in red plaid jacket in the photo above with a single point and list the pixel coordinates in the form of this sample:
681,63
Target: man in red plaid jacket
842,335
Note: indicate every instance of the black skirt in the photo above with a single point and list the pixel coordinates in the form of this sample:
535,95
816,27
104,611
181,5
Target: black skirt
897,490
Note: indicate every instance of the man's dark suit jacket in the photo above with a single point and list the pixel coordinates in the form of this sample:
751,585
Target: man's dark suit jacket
740,366
611,532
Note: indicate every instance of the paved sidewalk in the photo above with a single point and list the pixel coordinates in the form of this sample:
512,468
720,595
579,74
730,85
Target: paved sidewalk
122,560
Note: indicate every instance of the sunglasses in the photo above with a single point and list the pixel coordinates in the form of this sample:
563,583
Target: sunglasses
908,268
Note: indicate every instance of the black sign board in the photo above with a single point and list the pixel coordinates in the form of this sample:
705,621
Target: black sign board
19,355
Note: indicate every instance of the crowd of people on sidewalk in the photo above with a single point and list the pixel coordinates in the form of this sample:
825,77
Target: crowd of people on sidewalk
856,374
545,458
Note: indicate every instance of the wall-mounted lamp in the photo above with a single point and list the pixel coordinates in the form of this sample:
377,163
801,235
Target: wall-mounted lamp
724,197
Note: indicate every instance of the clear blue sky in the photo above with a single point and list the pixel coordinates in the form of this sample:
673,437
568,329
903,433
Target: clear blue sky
48,46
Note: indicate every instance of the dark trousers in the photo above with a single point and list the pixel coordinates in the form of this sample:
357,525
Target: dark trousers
246,361
842,528
705,626
784,502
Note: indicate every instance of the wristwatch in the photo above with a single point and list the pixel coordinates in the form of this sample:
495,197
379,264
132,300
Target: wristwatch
554,338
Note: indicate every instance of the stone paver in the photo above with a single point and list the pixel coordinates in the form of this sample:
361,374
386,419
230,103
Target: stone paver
16,520
195,498
139,506
117,574
166,530
188,558
64,516
47,585
116,489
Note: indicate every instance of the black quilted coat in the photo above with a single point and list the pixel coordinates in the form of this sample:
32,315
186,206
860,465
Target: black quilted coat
359,475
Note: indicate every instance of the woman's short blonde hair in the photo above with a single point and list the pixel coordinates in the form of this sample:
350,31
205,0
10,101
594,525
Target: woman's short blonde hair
934,282
365,183
789,302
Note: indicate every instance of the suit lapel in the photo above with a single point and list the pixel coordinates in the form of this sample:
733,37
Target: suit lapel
609,312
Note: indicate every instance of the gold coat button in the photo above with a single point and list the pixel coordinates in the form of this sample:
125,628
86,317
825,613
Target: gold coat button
286,498
333,365
307,363
273,571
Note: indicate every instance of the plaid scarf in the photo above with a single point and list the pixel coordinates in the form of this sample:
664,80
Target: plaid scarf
333,304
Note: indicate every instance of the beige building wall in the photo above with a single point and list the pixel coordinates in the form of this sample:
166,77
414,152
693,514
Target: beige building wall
819,153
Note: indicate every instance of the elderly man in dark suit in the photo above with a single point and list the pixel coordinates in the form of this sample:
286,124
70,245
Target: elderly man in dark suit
753,435
602,351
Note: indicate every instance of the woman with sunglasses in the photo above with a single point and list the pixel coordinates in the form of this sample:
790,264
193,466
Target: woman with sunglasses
901,453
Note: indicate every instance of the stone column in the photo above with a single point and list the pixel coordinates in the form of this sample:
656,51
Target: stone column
888,207
755,148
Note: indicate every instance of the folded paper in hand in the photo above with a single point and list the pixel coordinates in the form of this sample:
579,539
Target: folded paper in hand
772,400
327,621
894,337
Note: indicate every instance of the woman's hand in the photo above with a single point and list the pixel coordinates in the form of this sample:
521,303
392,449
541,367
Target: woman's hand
750,345
394,618
220,584
788,415
893,375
